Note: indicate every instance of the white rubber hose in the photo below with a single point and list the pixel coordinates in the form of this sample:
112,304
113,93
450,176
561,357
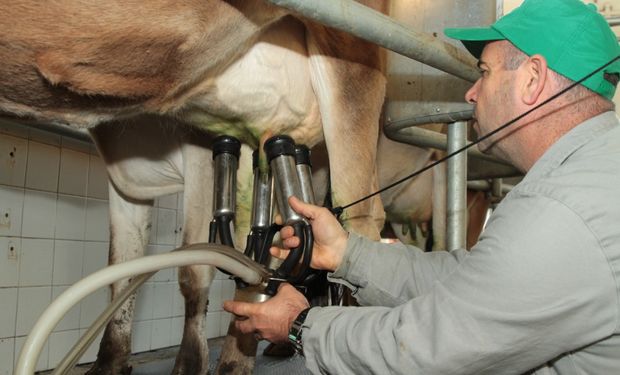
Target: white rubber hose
71,358
217,255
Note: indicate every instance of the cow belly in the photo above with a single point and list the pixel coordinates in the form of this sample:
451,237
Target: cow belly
268,89
146,179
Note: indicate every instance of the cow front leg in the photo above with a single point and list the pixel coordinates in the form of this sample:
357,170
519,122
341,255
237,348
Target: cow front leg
130,223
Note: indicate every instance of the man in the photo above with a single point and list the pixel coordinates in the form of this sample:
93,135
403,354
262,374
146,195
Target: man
540,292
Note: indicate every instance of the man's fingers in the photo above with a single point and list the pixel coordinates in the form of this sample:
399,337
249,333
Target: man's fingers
305,209
241,309
278,253
287,231
245,326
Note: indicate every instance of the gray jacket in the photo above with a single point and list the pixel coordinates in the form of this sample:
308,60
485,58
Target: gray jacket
539,292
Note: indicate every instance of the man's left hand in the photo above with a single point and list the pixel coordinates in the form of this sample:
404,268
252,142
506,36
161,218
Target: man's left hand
270,320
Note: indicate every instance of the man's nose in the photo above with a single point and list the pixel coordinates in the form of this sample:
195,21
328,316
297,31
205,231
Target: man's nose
471,96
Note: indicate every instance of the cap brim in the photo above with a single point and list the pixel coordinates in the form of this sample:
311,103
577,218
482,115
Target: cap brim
474,39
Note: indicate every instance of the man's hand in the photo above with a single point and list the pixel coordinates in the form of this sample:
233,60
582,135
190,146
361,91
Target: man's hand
270,320
330,239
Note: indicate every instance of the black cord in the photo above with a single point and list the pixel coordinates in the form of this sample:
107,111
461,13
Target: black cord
337,211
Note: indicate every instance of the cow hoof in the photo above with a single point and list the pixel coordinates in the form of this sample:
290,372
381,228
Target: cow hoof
182,371
109,369
279,350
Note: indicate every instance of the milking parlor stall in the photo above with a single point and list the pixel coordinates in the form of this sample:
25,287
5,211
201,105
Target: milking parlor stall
74,200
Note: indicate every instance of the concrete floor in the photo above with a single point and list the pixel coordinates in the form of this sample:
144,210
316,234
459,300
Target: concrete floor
161,362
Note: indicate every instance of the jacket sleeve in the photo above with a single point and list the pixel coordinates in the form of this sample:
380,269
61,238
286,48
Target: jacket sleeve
507,307
390,274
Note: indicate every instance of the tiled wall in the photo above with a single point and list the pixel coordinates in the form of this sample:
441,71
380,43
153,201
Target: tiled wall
54,231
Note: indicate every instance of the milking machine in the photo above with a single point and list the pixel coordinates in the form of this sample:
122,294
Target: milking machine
289,173
225,163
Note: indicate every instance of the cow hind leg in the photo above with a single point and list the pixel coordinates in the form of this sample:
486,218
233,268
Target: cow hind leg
129,233
194,281
193,356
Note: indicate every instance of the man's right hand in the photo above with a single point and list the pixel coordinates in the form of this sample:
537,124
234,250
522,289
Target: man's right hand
330,239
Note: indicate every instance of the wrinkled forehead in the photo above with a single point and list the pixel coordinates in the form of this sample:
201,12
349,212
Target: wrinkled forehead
494,52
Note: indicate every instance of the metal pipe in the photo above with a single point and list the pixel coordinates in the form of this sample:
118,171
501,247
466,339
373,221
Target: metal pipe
262,197
280,152
427,138
613,21
484,185
432,113
368,24
456,217
59,129
225,163
304,172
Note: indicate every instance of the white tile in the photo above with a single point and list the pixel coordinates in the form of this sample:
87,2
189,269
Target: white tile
168,201
93,305
215,296
8,311
36,263
95,257
43,136
42,362
162,300
97,186
228,289
43,166
11,211
13,158
39,214
71,320
179,228
13,128
176,330
144,303
90,355
97,220
219,275
141,336
224,322
76,144
73,172
10,256
68,260
160,333
31,302
7,348
180,201
153,231
70,217
213,325
59,345
166,226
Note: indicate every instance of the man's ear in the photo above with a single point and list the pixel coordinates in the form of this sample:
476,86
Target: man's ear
535,78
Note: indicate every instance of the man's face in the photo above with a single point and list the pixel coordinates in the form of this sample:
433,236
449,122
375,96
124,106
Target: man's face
493,97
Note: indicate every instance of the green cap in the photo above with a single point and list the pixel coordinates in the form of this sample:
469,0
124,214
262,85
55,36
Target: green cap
573,37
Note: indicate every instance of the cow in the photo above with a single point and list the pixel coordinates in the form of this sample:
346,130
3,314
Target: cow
421,201
242,67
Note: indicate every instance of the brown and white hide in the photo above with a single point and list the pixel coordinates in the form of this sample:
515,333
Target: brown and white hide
241,67
419,204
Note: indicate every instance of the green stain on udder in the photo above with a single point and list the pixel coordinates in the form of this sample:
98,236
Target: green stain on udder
237,128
